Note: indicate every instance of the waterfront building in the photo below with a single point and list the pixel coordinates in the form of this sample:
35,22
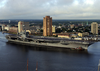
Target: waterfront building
3,26
23,26
73,35
94,27
64,36
13,29
7,27
47,26
83,34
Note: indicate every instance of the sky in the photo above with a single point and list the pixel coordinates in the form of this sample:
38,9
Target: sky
57,9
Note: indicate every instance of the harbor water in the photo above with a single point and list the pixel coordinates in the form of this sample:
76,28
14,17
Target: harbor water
13,57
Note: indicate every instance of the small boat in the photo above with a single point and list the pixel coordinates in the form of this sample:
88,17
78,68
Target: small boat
77,48
37,66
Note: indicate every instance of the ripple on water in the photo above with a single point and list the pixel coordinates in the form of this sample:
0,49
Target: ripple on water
94,48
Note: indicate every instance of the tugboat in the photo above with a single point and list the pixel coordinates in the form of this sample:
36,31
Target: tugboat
77,48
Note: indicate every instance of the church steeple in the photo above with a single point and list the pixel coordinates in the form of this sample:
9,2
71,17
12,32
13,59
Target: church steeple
87,23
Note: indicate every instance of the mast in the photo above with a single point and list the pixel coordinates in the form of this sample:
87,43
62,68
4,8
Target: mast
36,66
27,64
98,65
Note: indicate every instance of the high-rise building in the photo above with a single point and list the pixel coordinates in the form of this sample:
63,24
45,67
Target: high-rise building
3,26
53,29
94,27
47,26
22,26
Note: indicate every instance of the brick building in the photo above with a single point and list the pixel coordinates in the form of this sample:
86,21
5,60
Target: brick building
13,29
47,26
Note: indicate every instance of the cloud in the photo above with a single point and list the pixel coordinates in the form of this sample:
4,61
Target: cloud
57,9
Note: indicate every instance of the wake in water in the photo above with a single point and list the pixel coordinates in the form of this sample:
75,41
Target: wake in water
2,38
94,48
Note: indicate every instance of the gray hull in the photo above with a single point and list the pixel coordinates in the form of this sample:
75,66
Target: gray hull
67,45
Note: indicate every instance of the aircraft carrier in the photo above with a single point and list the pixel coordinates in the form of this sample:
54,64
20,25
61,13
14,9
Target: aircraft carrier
47,41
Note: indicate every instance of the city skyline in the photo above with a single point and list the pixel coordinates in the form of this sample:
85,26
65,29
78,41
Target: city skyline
58,9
